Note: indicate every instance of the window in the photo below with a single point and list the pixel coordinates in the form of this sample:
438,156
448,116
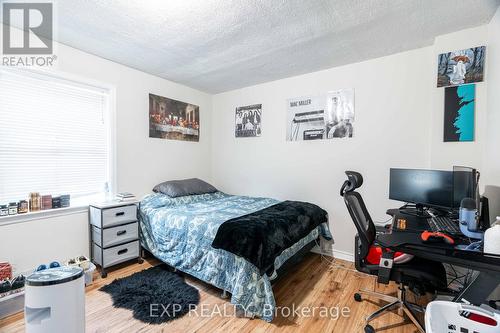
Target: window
54,136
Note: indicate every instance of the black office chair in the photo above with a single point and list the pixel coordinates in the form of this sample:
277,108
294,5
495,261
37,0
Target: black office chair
417,274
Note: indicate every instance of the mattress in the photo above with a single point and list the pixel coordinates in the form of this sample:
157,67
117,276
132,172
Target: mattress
179,231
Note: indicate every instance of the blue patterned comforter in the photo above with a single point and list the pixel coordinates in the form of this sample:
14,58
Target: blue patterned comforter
180,231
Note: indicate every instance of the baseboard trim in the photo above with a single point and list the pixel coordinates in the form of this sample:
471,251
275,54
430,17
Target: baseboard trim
347,256
343,255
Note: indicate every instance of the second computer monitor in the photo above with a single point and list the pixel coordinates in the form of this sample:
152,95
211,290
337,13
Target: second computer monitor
464,184
433,188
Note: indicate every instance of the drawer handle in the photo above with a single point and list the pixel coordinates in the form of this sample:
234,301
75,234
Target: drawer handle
122,251
120,214
121,232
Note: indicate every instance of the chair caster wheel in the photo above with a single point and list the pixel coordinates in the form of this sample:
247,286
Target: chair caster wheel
357,298
369,329
140,260
104,274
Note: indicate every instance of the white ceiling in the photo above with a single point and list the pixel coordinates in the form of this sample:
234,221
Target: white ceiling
222,45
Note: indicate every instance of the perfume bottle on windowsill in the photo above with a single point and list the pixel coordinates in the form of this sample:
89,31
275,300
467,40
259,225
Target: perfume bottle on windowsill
22,207
35,202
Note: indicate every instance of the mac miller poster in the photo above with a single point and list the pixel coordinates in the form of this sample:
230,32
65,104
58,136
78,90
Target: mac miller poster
248,121
459,104
174,120
461,67
326,116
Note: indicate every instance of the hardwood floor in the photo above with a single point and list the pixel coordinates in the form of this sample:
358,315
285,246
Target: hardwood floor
314,283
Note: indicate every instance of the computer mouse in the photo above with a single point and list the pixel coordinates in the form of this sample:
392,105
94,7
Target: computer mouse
437,237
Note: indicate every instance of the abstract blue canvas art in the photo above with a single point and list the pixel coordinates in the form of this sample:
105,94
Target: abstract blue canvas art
459,105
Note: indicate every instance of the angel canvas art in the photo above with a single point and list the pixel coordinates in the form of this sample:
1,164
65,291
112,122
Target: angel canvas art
461,67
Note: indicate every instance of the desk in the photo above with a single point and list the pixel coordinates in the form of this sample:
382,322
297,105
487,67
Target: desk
409,241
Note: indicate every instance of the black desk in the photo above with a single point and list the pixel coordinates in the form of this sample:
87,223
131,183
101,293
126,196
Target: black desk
409,241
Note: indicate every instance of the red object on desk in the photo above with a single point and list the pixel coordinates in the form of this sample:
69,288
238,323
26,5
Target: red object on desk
428,236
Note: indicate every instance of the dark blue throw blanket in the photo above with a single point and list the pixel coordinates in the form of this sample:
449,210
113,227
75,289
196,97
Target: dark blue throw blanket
262,236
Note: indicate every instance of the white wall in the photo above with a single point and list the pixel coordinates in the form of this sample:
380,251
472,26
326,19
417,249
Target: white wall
391,130
399,123
483,152
141,162
446,154
491,157
28,244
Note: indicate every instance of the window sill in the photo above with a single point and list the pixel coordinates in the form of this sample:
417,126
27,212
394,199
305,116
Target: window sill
42,214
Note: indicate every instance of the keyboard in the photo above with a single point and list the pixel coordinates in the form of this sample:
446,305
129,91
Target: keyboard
444,224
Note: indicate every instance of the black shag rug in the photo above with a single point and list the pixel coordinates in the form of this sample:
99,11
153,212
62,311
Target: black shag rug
155,295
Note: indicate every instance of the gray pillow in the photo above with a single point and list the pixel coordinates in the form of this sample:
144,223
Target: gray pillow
179,188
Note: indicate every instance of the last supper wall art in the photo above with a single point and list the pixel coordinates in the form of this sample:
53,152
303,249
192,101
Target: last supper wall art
173,120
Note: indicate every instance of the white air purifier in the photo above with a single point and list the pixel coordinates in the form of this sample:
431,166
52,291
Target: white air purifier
55,301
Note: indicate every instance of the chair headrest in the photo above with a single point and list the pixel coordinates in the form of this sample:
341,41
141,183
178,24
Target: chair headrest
354,180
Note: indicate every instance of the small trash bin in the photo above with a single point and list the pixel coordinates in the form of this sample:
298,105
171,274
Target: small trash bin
443,316
55,301
89,274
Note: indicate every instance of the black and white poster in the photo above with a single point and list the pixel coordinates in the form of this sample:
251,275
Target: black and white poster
248,121
325,116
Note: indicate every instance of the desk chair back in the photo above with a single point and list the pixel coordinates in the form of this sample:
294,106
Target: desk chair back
359,214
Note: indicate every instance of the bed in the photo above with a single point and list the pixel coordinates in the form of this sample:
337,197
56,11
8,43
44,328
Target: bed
180,231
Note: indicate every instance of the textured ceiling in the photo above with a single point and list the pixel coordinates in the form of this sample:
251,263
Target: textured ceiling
222,45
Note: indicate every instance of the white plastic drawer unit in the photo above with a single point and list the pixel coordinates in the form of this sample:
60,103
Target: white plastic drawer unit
116,254
103,218
115,235
114,231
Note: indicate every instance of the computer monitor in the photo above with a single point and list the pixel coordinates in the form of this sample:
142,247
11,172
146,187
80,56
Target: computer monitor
429,188
464,184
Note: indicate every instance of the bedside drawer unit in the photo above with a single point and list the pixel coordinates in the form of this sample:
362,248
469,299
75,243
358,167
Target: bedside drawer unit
107,217
115,235
116,254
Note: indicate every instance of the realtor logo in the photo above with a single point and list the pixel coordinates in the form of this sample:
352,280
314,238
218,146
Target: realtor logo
28,34
35,20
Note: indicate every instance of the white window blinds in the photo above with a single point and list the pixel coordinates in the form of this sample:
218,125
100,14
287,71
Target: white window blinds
53,136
